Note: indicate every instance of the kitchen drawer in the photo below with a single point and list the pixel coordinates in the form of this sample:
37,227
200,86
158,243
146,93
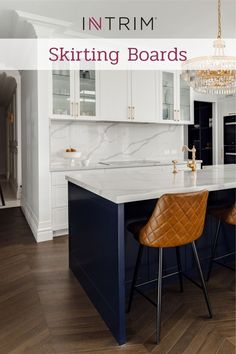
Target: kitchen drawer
59,196
59,218
58,179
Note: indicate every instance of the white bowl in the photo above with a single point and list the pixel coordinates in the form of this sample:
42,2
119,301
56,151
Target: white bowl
72,155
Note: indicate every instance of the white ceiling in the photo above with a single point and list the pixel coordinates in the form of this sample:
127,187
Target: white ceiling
7,87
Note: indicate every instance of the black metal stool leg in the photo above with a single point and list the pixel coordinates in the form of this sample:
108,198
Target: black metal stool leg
139,257
213,253
202,279
159,295
2,197
179,269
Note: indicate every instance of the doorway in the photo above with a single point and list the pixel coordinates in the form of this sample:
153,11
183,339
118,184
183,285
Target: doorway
10,139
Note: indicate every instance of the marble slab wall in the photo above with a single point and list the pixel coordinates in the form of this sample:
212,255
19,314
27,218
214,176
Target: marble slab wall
101,141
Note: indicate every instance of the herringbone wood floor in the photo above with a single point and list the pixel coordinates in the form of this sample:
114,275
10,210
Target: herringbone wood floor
43,309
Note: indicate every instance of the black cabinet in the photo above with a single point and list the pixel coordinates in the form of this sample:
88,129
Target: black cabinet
200,134
230,139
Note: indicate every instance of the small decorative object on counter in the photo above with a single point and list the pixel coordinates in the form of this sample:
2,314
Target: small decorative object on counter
174,166
71,150
72,154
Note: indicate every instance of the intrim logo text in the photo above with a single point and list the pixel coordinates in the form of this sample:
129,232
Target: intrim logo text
118,23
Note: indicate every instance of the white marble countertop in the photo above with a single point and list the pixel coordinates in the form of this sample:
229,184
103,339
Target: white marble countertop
66,166
142,183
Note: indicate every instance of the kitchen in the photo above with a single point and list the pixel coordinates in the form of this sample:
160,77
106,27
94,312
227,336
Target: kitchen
122,174
121,134
121,184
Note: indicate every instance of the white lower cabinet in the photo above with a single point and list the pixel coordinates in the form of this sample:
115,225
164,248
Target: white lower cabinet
60,196
60,218
59,202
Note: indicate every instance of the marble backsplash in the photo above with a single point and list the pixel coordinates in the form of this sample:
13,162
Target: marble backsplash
101,141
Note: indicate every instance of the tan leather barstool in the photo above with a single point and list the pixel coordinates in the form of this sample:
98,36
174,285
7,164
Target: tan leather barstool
177,220
228,216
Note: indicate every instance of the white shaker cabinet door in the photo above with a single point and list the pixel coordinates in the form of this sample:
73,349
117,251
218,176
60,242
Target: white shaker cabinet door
144,96
114,96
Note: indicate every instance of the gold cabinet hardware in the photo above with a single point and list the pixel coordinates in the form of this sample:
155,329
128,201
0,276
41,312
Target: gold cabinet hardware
77,109
174,166
132,112
72,109
129,112
178,115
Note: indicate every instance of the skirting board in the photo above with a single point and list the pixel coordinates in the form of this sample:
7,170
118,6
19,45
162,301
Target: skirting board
63,232
40,234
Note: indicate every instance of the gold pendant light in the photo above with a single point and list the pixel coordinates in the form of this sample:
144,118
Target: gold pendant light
214,74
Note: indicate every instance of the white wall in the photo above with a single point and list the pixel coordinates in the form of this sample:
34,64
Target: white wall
29,127
3,152
44,182
36,183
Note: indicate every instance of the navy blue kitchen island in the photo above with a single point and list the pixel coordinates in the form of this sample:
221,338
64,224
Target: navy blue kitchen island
102,253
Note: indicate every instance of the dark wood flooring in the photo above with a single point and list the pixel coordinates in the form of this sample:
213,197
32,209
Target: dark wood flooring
43,309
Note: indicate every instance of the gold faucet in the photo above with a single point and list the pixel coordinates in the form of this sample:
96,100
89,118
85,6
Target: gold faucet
191,163
174,166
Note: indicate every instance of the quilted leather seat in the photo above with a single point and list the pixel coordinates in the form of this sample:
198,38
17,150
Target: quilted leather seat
228,216
177,219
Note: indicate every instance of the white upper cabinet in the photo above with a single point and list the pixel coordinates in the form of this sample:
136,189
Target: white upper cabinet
85,94
73,94
113,95
168,96
144,96
185,102
176,99
121,96
62,87
128,96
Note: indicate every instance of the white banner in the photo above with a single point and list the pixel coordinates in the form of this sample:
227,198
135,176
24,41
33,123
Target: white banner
104,54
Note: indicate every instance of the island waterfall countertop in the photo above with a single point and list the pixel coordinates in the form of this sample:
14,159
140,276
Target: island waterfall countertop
143,183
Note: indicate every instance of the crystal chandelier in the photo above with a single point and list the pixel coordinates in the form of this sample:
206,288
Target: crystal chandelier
214,74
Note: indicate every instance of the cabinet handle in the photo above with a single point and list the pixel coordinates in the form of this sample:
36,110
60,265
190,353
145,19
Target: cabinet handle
129,112
177,115
72,109
77,109
133,112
